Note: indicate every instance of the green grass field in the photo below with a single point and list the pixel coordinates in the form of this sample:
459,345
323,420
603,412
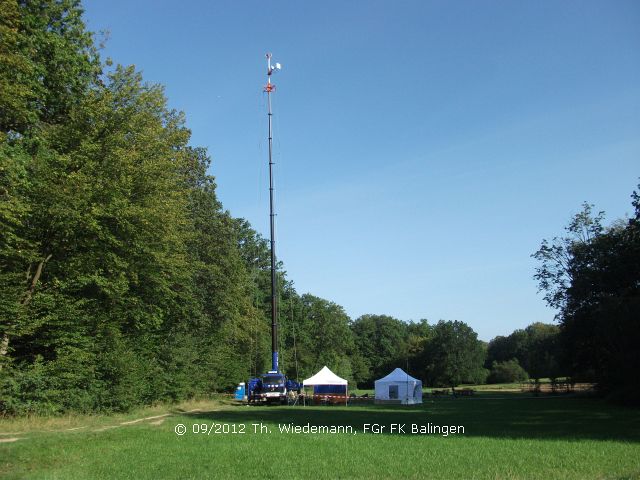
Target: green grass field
505,436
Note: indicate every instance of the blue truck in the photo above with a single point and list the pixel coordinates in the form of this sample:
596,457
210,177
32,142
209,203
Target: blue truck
272,387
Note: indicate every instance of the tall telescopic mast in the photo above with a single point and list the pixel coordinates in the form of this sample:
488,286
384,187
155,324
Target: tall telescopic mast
274,299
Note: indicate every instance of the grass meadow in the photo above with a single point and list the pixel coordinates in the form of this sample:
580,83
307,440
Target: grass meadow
506,435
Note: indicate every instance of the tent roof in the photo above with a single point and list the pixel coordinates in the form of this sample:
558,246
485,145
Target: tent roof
398,375
325,377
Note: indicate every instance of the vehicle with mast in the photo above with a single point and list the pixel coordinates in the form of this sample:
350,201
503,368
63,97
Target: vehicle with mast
273,386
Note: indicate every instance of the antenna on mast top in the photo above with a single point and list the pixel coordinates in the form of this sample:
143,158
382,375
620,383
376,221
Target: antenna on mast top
270,69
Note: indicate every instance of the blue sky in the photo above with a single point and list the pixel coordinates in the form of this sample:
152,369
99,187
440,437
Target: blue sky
424,149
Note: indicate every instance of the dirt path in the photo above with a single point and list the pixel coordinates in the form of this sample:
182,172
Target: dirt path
159,419
10,439
154,420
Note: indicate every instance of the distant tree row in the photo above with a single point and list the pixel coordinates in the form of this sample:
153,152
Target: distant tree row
536,350
449,353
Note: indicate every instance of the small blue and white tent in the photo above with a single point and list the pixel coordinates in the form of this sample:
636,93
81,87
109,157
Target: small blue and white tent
399,387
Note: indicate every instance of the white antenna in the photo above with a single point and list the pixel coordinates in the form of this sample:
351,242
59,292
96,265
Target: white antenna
271,68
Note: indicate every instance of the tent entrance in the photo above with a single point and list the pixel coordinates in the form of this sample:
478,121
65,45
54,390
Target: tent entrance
393,392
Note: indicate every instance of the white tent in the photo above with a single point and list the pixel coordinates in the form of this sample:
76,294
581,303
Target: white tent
326,377
399,387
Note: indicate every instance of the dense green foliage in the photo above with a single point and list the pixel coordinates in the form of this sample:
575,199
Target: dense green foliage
47,62
536,349
453,355
382,345
122,282
508,371
592,276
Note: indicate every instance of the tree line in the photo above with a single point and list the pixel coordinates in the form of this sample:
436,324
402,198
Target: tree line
121,279
591,275
124,281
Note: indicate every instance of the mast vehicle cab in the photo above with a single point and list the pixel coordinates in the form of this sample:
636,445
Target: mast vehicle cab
272,388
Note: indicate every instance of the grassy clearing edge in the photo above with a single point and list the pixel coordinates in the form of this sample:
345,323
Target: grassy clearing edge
10,426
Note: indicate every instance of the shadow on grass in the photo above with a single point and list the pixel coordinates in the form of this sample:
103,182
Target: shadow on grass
507,417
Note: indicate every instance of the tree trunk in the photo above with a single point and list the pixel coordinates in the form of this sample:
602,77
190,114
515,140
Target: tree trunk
4,342
4,346
27,298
